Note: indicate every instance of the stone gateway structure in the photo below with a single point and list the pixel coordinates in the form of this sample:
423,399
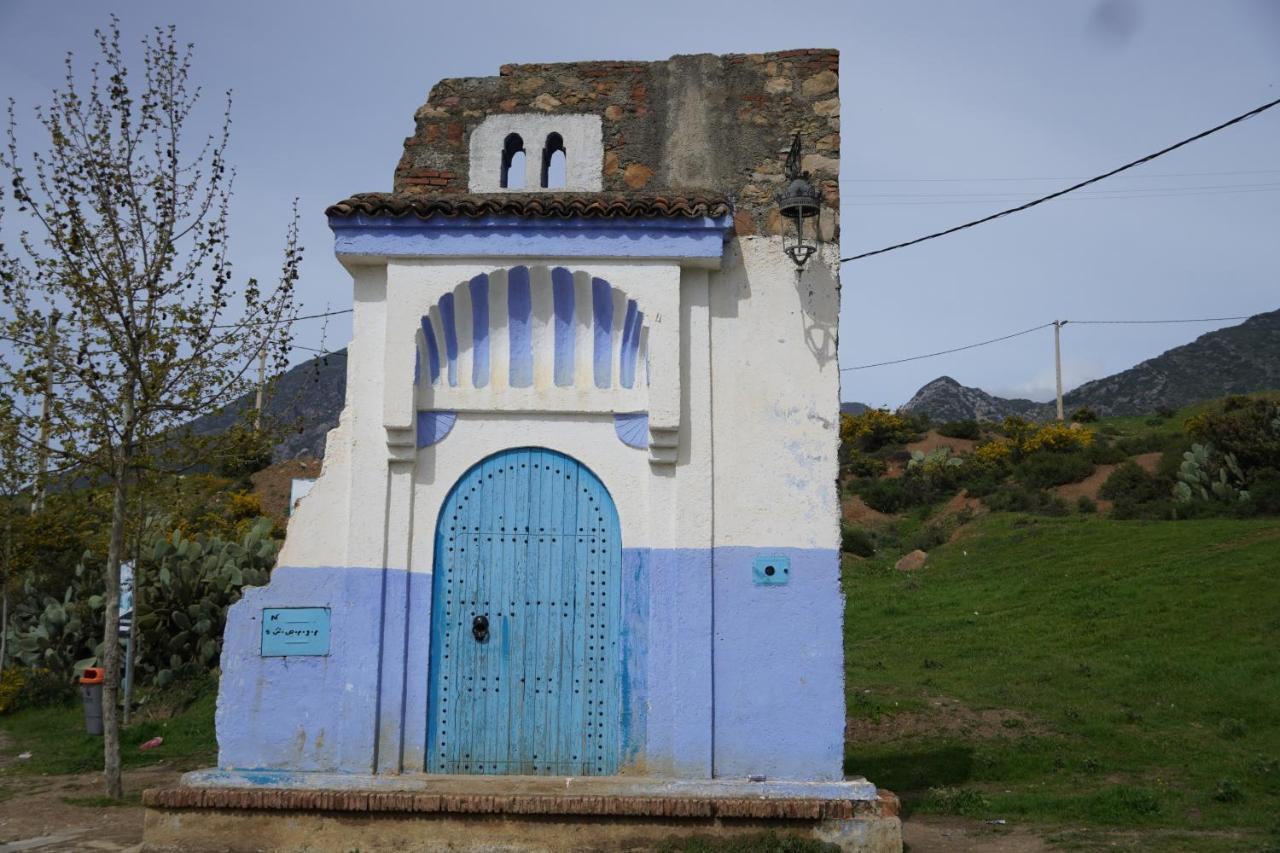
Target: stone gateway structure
579,518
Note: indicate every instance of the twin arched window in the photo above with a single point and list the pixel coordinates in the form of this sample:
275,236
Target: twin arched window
554,162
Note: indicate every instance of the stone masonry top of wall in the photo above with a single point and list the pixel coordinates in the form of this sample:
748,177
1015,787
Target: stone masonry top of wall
562,205
677,126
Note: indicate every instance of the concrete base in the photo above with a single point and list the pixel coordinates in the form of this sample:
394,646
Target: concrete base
507,813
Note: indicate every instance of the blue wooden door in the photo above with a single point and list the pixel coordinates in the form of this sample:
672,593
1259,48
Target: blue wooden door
525,652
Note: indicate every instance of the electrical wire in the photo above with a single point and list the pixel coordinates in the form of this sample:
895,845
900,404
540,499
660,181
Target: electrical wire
947,351
1030,204
1038,328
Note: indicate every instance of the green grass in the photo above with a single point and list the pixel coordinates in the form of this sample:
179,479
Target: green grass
1143,654
58,744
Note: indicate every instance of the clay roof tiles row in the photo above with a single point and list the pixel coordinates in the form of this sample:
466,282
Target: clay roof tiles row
563,205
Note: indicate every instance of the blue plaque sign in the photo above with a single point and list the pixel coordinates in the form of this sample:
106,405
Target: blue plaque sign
295,631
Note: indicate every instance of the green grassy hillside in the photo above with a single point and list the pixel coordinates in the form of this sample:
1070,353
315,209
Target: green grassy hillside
1076,671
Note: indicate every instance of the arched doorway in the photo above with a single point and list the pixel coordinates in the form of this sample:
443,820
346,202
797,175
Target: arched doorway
526,667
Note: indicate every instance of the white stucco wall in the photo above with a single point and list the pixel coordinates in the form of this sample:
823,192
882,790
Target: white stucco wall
583,145
743,366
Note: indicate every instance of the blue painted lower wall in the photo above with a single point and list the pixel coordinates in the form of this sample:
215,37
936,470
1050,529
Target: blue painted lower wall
722,677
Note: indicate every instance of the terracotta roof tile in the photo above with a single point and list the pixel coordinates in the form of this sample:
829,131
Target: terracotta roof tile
591,205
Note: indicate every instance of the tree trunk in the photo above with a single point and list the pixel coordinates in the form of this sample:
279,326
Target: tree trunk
4,606
111,639
111,601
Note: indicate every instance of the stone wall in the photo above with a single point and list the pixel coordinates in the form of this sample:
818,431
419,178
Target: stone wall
700,122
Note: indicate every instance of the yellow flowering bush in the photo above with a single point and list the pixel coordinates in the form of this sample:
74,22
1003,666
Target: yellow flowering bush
995,452
1056,436
875,428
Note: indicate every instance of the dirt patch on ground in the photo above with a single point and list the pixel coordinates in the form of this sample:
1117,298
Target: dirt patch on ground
854,511
935,834
1088,487
944,717
932,441
35,813
1091,485
273,484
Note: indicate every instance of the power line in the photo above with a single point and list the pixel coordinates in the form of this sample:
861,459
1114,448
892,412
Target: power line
1072,188
1150,322
281,321
1074,178
947,351
1038,328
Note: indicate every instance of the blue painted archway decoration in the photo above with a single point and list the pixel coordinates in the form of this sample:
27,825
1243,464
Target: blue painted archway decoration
526,653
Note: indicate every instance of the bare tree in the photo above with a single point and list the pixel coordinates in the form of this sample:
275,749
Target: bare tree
125,235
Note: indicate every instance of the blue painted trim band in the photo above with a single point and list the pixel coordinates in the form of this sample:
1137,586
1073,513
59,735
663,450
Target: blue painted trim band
602,311
630,340
512,236
480,331
433,351
450,336
519,311
562,298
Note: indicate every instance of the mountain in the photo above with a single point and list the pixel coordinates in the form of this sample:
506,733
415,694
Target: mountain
850,408
1235,360
305,402
945,399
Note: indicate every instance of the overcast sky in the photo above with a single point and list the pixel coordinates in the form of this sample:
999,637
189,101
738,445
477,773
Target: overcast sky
950,111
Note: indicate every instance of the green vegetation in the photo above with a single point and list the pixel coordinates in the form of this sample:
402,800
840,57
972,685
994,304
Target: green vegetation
56,739
1090,671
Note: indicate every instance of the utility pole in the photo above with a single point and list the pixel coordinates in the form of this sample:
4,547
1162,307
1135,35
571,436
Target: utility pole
46,414
1057,361
262,381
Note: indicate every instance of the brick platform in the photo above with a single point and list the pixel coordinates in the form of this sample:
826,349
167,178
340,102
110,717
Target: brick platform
271,818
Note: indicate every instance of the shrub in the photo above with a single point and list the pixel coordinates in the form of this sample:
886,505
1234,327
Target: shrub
860,464
1105,453
1084,415
979,477
961,429
1086,505
876,428
856,541
930,536
1043,470
1264,491
883,495
1016,498
1136,493
1058,437
996,452
1164,412
1247,428
31,688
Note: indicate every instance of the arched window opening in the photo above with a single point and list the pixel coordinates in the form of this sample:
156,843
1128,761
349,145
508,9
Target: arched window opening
512,175
553,162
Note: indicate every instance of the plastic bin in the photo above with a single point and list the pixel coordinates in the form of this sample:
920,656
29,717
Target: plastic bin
91,693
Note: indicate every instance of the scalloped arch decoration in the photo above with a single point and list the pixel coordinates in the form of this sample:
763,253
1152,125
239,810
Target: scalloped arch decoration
533,327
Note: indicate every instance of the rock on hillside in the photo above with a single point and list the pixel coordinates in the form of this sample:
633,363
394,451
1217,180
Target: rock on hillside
945,399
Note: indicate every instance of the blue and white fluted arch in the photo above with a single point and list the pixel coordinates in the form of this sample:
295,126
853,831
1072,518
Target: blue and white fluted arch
533,327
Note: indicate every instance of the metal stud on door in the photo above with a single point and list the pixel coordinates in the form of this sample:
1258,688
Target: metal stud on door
525,656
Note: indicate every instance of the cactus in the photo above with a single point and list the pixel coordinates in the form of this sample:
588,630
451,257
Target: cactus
187,594
1201,476
184,590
